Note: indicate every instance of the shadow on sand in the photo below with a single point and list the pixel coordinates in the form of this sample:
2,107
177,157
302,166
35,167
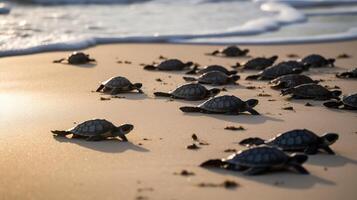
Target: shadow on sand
279,179
330,160
107,146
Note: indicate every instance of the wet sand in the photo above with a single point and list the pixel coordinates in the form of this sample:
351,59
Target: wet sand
37,96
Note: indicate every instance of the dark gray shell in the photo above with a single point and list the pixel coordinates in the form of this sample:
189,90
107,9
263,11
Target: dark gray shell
315,60
78,58
262,156
350,100
211,68
298,139
311,90
117,82
258,63
224,104
171,64
293,63
190,91
232,51
93,127
278,70
291,80
214,77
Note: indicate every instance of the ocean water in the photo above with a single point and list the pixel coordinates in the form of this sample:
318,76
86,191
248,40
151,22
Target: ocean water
32,26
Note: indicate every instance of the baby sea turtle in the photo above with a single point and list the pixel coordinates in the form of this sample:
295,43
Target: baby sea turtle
295,64
169,65
226,104
211,68
96,130
315,61
76,58
348,102
191,91
301,140
117,85
274,72
290,80
214,78
311,91
231,51
258,63
259,160
349,74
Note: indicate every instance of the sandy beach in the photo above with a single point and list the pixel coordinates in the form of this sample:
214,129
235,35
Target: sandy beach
37,96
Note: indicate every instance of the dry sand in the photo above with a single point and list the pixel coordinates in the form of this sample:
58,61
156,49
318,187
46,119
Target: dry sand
37,96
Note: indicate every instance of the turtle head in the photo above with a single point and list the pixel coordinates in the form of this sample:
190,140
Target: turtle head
331,61
123,130
214,91
273,58
329,138
252,102
336,93
235,78
189,64
246,51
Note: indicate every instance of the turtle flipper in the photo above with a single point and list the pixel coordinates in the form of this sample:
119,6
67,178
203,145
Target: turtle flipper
300,169
252,111
311,150
189,78
162,94
215,163
328,150
115,91
215,52
252,77
252,141
123,138
333,104
190,109
193,70
60,133
59,60
287,91
138,86
150,67
255,171
100,88
95,138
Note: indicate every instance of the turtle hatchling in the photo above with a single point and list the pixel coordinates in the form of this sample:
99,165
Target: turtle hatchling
258,63
169,65
275,71
315,61
311,91
214,78
119,84
348,102
298,140
231,51
349,74
76,58
191,91
260,160
226,104
211,68
96,130
290,80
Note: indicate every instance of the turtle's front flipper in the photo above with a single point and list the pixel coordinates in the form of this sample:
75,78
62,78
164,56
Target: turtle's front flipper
190,109
189,78
138,86
100,88
255,171
252,77
162,94
333,104
150,67
60,133
193,70
328,150
311,150
300,169
59,60
252,111
123,138
216,163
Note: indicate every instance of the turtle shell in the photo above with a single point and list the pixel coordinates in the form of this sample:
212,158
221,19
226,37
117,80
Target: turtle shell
350,100
259,63
262,156
231,51
117,82
93,127
292,140
315,60
278,70
311,90
190,91
171,64
292,63
291,80
214,77
211,68
78,57
223,104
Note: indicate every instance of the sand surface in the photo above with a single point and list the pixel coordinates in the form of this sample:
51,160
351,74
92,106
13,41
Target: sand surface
37,96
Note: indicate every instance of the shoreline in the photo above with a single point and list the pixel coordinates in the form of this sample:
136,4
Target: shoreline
37,96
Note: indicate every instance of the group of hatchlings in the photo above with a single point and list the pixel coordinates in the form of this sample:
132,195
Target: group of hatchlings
262,155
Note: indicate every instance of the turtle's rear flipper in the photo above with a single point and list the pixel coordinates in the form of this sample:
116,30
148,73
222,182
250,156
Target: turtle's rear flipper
150,67
59,60
216,163
60,133
190,109
333,104
189,78
252,77
252,141
100,88
162,94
